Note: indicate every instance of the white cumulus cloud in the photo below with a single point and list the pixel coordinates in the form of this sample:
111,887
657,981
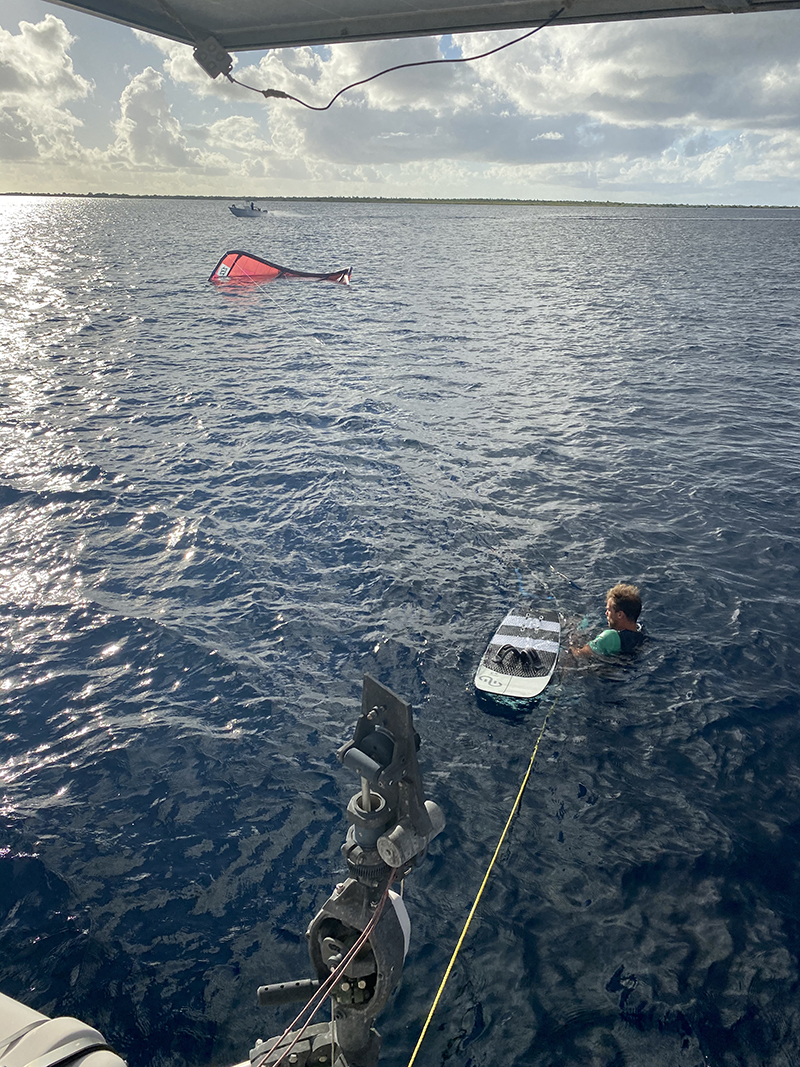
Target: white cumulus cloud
701,109
37,80
148,134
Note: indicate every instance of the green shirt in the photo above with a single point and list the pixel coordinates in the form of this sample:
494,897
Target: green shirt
607,643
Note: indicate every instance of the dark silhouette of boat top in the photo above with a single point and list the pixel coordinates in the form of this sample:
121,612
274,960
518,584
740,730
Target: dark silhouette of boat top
244,266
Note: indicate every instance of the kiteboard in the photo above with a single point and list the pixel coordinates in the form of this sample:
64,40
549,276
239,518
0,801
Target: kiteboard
521,657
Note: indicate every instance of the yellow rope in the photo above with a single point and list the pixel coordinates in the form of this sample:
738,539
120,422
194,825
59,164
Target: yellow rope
480,891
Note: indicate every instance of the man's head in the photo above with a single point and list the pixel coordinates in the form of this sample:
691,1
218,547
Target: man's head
623,598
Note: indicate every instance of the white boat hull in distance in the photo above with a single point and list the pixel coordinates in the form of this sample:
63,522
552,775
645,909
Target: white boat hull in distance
247,212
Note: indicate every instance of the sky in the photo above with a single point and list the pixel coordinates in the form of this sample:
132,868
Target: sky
697,110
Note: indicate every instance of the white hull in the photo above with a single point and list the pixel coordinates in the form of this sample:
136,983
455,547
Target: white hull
27,1036
247,212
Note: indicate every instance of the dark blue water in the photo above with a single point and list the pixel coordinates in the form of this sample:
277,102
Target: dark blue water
219,508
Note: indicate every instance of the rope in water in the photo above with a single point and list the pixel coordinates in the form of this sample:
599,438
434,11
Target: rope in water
281,307
474,907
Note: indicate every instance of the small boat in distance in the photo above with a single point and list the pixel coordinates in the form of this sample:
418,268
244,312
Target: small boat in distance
244,266
247,212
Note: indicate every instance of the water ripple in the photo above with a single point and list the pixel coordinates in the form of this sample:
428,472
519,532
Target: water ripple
217,509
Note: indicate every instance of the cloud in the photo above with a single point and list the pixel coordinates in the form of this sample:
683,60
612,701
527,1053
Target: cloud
738,71
238,133
16,139
240,142
35,64
316,75
181,67
36,80
148,134
569,94
666,104
705,108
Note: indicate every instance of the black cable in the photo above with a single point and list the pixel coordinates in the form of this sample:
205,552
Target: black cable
280,95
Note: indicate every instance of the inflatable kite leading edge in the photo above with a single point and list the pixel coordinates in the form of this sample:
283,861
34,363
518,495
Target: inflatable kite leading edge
242,266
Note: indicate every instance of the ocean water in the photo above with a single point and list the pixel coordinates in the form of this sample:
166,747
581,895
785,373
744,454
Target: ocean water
219,507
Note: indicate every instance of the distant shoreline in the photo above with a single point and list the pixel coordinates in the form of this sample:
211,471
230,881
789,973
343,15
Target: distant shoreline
471,201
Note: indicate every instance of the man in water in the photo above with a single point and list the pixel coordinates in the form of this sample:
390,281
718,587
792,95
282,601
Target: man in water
623,604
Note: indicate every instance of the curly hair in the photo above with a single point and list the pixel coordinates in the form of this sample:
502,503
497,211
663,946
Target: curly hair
626,598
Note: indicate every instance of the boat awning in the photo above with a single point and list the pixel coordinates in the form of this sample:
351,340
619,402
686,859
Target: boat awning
239,25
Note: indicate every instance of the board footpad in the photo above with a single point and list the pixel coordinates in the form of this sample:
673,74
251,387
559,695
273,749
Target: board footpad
521,662
521,656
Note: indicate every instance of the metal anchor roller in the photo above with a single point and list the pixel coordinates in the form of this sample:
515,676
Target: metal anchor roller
391,826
